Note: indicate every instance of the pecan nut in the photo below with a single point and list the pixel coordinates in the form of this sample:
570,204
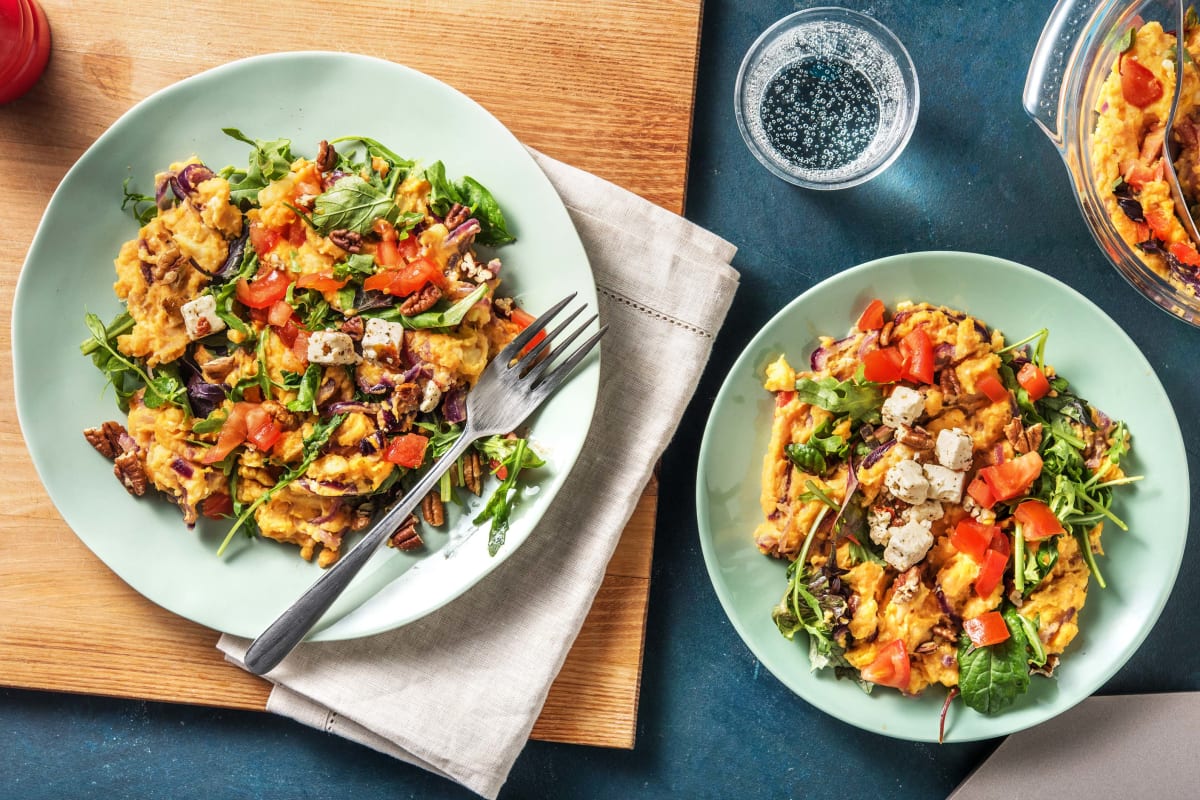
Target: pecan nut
472,467
326,156
406,536
354,327
106,438
433,510
129,470
456,216
916,438
348,240
421,301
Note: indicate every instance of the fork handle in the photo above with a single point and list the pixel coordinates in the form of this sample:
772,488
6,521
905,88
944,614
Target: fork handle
285,633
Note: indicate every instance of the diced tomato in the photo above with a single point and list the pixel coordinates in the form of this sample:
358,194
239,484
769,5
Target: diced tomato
917,350
299,345
1186,254
980,493
407,450
1159,221
1037,521
990,573
871,318
783,398
217,506
1139,174
1000,543
991,386
523,319
384,229
297,233
320,281
891,666
1012,478
233,433
409,247
1138,84
499,469
261,428
263,239
988,628
265,290
280,314
387,254
407,278
884,365
972,537
1033,381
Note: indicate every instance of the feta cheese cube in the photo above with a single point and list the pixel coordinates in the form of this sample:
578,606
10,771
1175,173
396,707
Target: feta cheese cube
382,339
909,544
903,407
906,481
331,347
430,398
879,521
924,512
945,484
954,449
200,317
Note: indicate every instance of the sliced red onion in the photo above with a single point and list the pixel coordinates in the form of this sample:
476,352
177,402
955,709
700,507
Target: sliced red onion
328,515
818,358
164,189
191,176
326,488
461,237
873,457
384,384
183,468
454,404
233,259
868,341
349,406
943,355
204,397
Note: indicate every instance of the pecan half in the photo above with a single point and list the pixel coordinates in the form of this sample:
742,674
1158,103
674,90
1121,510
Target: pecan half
354,327
106,438
945,632
433,510
131,473
472,464
906,585
406,536
916,438
926,647
1014,431
1034,435
951,388
326,156
348,240
456,216
362,517
421,301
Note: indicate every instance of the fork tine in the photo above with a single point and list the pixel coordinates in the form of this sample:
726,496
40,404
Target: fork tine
537,326
543,364
532,356
551,381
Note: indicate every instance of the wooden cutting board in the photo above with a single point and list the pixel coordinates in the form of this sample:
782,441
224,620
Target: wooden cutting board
606,86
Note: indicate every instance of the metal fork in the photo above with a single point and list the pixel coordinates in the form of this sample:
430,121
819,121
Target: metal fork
512,386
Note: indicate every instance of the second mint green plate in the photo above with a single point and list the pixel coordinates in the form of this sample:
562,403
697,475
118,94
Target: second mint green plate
1087,348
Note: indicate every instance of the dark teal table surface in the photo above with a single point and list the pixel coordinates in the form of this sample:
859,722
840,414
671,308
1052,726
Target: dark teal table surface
977,176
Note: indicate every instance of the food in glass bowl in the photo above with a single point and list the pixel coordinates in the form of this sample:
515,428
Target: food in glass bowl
299,336
940,496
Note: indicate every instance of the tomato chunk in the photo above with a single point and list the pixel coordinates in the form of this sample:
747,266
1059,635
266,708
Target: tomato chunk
972,537
407,450
884,365
1037,521
407,278
891,666
263,239
988,628
991,386
917,350
233,433
279,314
1138,84
990,573
523,319
264,291
217,506
261,429
1033,381
871,318
1186,254
783,398
1012,478
320,281
980,493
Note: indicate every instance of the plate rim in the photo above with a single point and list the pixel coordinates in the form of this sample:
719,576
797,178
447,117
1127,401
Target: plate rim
588,373
704,524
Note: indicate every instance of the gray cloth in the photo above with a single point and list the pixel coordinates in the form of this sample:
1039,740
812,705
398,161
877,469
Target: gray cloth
463,706
1119,746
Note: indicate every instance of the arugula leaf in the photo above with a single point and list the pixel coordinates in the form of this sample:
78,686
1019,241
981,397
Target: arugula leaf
313,443
472,194
991,678
815,492
210,424
354,204
1039,565
860,400
143,215
126,375
269,160
360,265
374,148
306,390
499,506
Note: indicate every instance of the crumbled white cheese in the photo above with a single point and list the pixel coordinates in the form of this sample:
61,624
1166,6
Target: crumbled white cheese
906,481
430,398
903,407
200,317
945,484
331,347
879,519
924,512
908,545
954,449
382,339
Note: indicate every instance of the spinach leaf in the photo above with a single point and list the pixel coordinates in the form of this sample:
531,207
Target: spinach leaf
354,204
470,193
822,448
991,678
860,400
356,265
269,160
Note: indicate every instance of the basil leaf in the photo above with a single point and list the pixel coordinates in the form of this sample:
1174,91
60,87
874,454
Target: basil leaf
991,678
352,204
860,401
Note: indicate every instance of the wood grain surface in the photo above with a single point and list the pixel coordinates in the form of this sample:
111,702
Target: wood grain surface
607,87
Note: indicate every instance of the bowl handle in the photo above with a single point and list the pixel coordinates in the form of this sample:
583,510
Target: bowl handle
1045,83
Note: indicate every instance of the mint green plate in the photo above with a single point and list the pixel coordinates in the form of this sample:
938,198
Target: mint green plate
305,97
1087,348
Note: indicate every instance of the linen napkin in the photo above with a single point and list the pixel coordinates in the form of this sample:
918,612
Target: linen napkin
1114,746
463,705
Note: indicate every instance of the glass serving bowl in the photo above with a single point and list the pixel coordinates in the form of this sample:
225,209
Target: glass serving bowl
1069,65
